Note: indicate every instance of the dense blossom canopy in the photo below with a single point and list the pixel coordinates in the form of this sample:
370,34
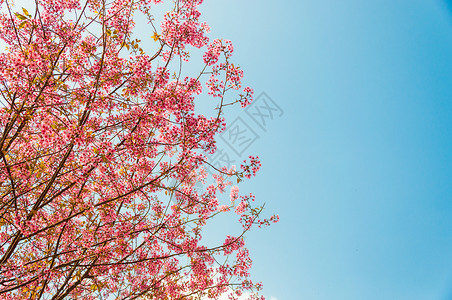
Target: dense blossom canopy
93,129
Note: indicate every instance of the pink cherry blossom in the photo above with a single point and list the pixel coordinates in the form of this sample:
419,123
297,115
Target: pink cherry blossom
101,152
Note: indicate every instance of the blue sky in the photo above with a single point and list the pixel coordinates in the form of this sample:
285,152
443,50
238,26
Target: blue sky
359,165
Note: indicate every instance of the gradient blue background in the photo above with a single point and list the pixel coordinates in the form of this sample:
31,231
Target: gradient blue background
359,166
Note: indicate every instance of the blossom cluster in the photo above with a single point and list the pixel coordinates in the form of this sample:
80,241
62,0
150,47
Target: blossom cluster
93,129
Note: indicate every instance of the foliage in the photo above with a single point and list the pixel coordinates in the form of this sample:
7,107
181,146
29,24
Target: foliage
92,130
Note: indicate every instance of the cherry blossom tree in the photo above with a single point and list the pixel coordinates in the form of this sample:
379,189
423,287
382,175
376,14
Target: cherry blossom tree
94,126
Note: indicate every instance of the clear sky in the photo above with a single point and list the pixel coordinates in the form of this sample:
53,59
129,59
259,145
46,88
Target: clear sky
359,164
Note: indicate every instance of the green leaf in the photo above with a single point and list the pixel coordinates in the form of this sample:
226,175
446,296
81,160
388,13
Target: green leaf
26,12
21,17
